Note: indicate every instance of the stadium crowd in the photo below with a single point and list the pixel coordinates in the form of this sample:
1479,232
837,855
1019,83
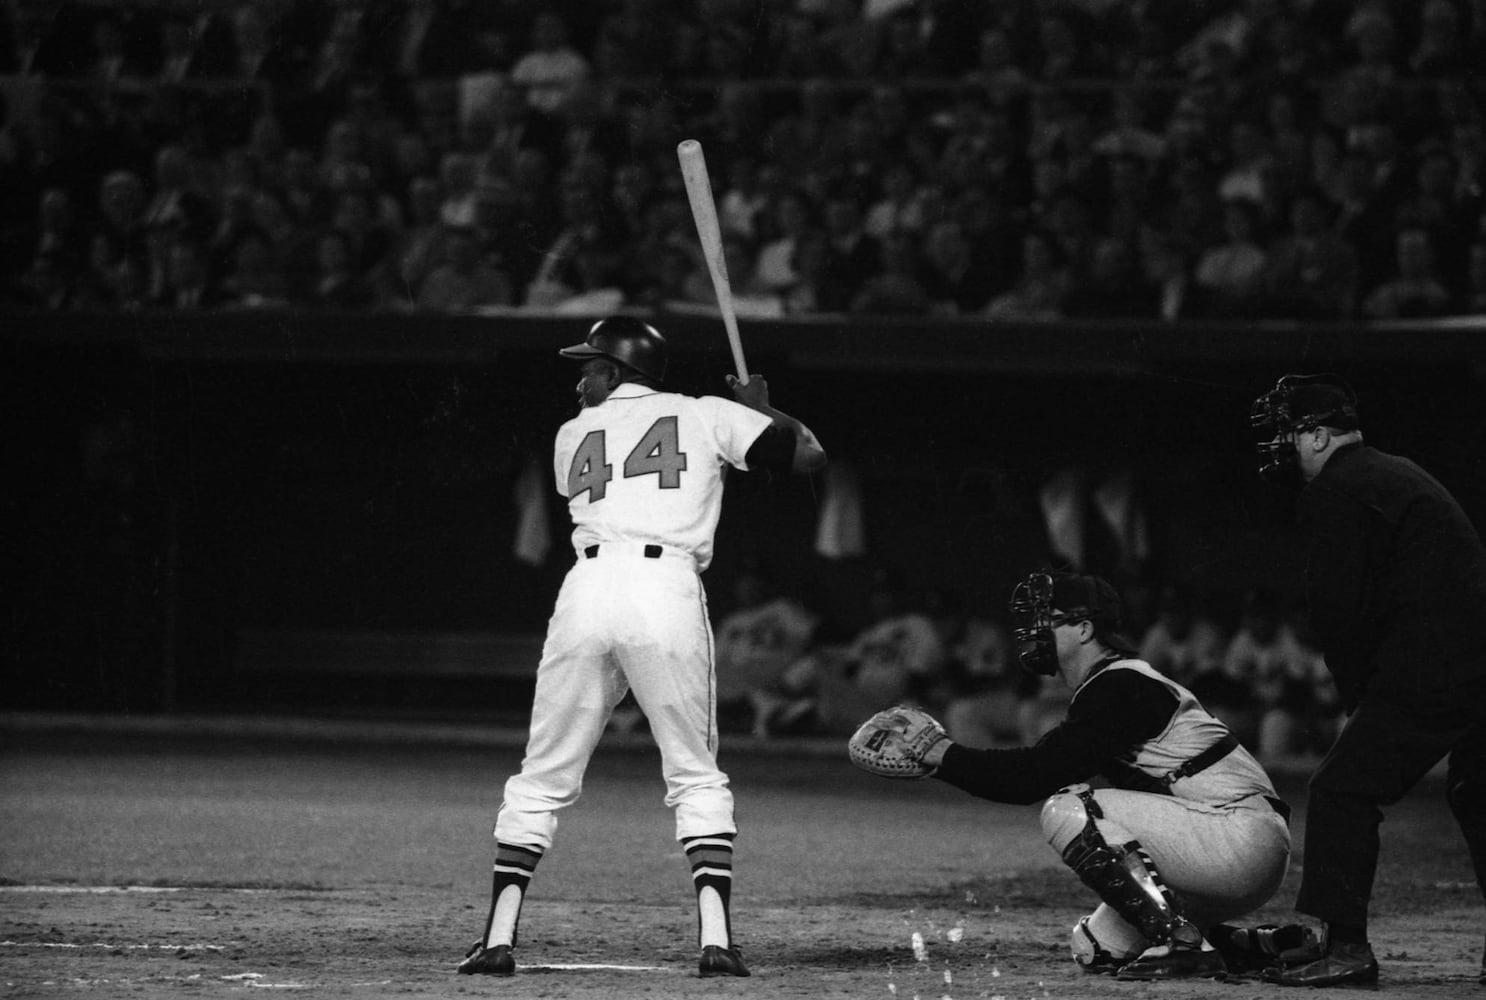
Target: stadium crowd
1006,159
783,669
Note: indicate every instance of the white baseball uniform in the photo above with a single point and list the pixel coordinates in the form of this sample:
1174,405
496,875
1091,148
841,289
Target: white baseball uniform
643,475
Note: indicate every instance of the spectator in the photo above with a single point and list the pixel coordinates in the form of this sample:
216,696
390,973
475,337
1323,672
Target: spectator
1475,286
1249,165
1183,642
256,279
1415,290
896,289
187,283
421,244
254,52
176,204
986,692
1113,288
898,656
895,208
338,284
1230,275
1131,203
53,229
765,633
113,281
1264,647
790,220
293,245
1312,272
586,254
121,205
952,282
997,70
464,281
46,284
1299,705
853,256
371,241
1165,269
1129,133
514,125
1039,289
808,264
551,68
1441,47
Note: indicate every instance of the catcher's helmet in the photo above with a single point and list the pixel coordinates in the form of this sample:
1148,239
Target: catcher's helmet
1296,404
629,341
1075,599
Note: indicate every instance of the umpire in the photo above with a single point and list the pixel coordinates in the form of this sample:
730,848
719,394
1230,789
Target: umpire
1396,578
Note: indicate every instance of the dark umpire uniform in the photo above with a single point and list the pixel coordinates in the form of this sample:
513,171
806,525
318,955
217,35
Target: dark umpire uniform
1395,577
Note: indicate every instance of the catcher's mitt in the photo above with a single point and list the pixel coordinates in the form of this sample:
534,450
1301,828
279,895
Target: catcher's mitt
894,742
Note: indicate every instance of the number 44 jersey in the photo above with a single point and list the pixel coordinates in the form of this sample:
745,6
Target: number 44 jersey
647,467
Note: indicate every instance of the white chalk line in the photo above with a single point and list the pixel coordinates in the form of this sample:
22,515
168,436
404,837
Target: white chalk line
70,890
593,967
117,947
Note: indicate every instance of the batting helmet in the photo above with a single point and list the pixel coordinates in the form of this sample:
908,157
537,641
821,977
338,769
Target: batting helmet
629,341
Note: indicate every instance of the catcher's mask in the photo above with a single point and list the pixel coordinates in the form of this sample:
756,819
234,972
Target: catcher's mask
1045,600
627,340
1296,404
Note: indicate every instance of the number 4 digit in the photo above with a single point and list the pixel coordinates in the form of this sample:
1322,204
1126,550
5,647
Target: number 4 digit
659,451
589,470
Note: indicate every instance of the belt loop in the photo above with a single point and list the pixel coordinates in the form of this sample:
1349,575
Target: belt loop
590,552
652,552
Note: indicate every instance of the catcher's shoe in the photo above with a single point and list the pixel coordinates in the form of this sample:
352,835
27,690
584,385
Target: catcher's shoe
1183,957
1265,946
1343,964
720,961
483,961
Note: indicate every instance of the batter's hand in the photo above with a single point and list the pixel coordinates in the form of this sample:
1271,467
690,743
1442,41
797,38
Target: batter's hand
753,394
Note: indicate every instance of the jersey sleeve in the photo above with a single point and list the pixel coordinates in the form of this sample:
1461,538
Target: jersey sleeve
562,454
1115,712
735,428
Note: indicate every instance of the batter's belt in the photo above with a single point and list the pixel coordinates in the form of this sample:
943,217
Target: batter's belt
636,550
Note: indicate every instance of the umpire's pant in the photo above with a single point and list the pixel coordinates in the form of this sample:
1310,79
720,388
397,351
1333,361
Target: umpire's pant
1382,753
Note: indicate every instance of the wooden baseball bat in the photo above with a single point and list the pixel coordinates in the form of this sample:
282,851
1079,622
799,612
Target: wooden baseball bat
704,213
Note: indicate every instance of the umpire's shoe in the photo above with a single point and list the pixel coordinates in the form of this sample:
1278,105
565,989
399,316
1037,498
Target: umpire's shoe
1344,963
483,961
1183,957
720,961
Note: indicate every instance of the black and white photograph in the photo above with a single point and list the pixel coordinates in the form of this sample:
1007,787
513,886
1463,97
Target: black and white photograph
903,499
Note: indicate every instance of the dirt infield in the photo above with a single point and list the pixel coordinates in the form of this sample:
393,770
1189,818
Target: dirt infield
149,868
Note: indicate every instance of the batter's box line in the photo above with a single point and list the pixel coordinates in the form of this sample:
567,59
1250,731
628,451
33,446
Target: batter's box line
119,947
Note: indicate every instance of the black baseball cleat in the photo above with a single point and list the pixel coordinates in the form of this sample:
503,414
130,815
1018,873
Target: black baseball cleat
720,961
1183,957
483,961
1343,964
1172,962
1265,946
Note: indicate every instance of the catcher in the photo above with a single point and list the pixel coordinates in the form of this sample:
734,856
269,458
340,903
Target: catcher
1191,832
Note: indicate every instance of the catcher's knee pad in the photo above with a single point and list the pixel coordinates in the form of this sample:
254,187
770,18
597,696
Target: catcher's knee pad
1123,875
1066,813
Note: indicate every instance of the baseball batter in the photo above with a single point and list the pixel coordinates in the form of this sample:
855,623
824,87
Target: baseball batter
642,470
1190,833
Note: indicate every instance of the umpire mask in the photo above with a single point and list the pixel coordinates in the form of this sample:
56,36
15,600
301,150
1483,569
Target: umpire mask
1296,404
1032,618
